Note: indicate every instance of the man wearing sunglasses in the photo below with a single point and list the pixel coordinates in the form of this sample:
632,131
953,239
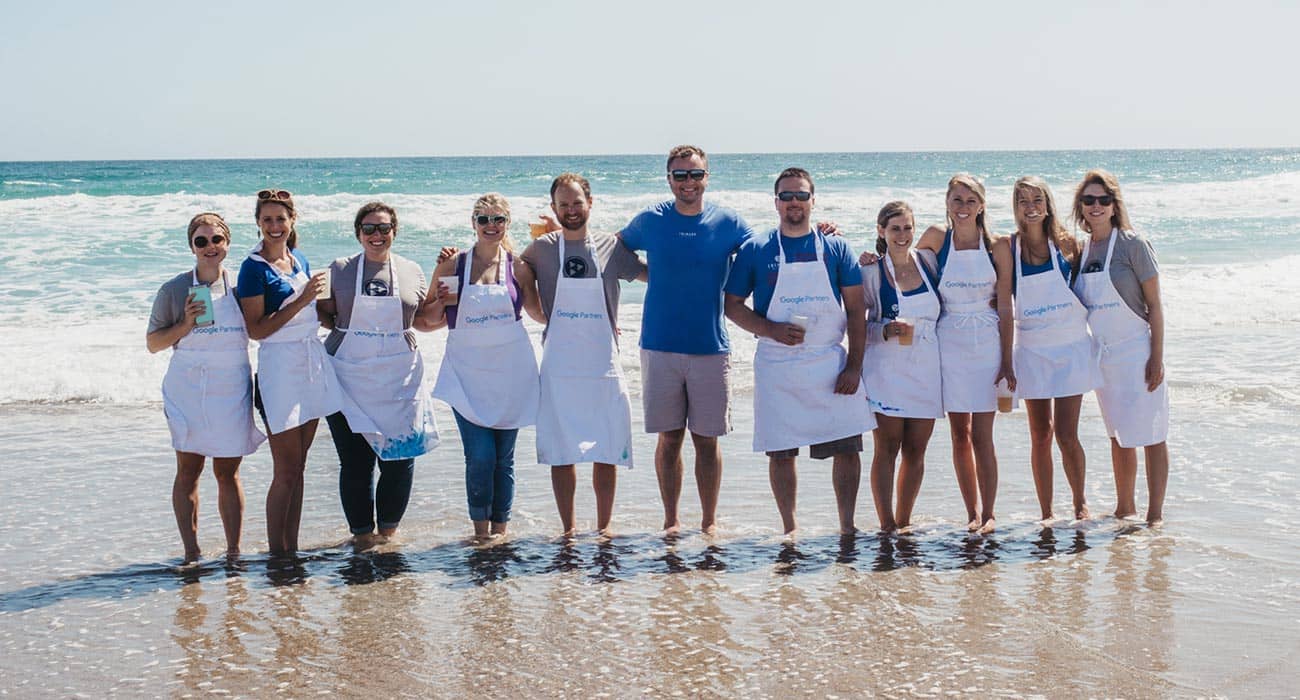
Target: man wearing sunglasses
807,289
684,347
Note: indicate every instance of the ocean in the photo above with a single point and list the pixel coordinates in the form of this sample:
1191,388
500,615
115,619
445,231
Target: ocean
92,601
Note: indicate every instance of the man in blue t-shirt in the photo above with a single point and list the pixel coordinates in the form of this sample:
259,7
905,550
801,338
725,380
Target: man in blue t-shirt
807,390
684,349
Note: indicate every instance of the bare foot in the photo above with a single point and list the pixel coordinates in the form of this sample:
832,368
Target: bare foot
850,530
1155,520
191,557
708,527
988,527
973,525
1125,515
1081,512
569,534
672,527
887,528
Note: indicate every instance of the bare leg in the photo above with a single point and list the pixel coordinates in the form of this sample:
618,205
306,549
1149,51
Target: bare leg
564,482
846,475
481,531
668,467
284,498
888,439
963,462
1039,412
185,501
230,500
708,479
1123,462
604,480
916,437
986,466
785,485
1066,428
1157,458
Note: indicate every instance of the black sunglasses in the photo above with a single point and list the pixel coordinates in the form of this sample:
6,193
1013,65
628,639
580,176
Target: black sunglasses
201,242
484,219
694,174
1090,199
283,195
384,228
788,196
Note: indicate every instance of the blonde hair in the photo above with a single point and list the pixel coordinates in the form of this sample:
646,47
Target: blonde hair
1052,225
1108,182
207,218
495,200
973,184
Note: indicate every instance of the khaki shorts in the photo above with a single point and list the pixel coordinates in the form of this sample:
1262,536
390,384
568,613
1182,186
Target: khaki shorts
823,450
686,391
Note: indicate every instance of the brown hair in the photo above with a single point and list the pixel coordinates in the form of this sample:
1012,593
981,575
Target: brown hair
371,207
287,203
887,212
973,184
571,179
794,172
686,151
207,218
494,200
1052,226
1108,182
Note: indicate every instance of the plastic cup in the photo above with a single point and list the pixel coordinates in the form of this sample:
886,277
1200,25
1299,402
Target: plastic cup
905,335
453,283
800,320
327,290
1006,400
537,229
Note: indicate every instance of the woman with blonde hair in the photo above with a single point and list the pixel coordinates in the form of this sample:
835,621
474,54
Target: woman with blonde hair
1053,356
489,371
1119,283
208,389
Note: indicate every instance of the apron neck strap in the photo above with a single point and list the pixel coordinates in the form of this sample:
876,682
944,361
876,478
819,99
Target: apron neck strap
780,250
361,272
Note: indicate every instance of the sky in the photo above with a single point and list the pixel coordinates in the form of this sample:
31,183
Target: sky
183,79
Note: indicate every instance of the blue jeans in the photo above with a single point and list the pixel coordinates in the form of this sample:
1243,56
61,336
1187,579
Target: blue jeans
362,498
489,469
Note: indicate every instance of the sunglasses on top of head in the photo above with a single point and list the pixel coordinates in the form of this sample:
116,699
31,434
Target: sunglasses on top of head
1090,199
789,196
484,219
201,242
694,174
283,195
384,228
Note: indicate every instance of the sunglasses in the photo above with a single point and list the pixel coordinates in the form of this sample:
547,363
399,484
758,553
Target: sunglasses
382,228
694,174
282,195
484,219
790,196
201,242
1090,199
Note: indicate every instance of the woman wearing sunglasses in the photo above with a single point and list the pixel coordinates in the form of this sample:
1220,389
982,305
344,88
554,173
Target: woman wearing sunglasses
208,389
901,363
489,371
295,383
387,414
1054,361
1119,283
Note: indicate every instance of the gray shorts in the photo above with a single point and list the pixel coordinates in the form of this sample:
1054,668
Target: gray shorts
823,450
686,391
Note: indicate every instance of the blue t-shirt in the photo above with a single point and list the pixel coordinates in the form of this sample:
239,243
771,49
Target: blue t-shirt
756,266
259,278
688,257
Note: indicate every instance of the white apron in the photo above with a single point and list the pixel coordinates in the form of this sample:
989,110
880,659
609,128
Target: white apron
1053,354
294,373
584,414
1134,416
970,351
489,371
208,389
795,403
388,401
904,381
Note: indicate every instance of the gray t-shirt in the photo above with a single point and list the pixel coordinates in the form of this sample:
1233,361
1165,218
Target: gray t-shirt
616,263
169,305
1133,263
376,281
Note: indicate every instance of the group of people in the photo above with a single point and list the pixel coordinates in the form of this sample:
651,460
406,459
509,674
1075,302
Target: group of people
953,322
